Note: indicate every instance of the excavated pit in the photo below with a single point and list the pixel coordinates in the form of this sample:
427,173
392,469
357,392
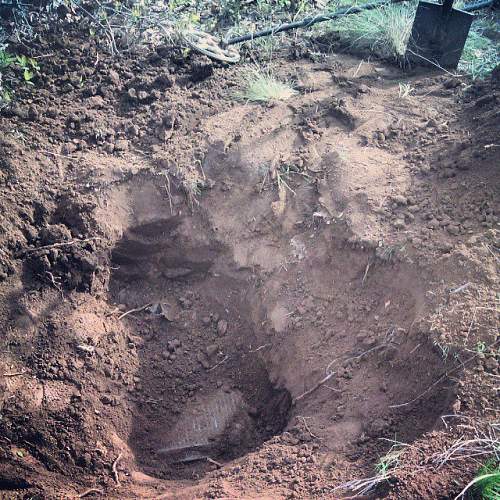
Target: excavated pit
228,352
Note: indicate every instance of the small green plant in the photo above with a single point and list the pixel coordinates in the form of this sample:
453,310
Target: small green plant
488,488
389,461
6,59
262,86
481,347
29,67
5,96
486,484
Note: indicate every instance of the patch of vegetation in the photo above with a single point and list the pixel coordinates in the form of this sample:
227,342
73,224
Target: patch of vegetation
12,69
262,86
487,486
385,468
481,54
384,31
29,67
6,60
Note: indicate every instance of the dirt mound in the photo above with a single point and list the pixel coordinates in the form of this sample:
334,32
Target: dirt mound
204,298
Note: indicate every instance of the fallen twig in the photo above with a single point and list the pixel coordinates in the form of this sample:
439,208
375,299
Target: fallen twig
59,155
89,491
59,244
460,288
212,461
358,356
260,347
307,427
330,374
115,470
169,193
317,386
218,364
366,272
137,309
14,374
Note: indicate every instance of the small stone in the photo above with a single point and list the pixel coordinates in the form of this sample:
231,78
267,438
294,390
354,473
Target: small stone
132,93
142,95
107,400
133,131
211,350
451,83
490,365
400,200
453,230
114,77
202,359
121,145
222,327
399,223
96,102
69,148
33,114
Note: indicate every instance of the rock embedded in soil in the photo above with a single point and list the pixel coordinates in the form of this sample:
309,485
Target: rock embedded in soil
114,77
400,200
212,350
222,327
121,145
69,148
132,94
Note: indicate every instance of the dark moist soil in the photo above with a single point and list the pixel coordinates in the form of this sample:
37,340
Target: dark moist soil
203,298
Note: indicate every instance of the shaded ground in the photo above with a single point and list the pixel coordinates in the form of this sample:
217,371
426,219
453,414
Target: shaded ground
256,250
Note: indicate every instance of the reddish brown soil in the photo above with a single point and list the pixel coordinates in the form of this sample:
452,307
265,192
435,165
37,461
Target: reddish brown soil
352,267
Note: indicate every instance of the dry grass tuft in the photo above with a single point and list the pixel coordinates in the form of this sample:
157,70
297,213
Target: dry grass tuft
262,86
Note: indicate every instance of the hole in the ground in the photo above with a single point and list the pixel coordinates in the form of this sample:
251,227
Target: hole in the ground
200,392
226,343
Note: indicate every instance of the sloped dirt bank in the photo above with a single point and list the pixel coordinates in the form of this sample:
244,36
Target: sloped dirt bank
204,298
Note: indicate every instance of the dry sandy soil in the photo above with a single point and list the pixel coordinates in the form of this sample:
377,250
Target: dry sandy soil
205,298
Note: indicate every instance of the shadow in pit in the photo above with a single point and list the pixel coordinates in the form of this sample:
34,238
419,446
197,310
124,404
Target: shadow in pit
200,392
